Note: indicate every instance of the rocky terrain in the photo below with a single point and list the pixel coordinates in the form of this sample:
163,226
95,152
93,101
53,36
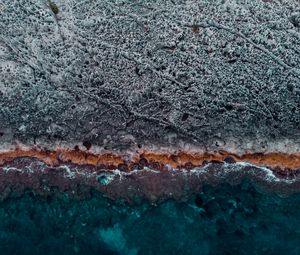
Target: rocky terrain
122,74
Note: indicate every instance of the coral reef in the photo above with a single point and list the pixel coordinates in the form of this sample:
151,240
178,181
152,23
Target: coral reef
227,219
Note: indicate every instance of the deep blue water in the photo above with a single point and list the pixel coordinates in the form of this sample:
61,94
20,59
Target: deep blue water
224,219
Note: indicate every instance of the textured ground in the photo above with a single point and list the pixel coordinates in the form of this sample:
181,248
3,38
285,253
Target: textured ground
126,73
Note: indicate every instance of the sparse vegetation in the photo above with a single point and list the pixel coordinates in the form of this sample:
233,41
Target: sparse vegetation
54,8
195,28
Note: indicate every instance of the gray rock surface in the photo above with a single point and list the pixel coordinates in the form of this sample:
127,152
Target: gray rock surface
119,73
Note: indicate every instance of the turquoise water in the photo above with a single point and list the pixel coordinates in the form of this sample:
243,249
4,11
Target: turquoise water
224,219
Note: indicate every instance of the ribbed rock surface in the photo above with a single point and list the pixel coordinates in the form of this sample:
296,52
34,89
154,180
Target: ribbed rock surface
123,73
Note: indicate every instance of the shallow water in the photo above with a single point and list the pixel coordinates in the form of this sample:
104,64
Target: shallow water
221,219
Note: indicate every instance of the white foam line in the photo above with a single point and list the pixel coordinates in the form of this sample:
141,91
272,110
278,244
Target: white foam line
69,173
228,168
8,169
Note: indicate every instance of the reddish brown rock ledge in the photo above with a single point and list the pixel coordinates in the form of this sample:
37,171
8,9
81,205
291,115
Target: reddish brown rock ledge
144,174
